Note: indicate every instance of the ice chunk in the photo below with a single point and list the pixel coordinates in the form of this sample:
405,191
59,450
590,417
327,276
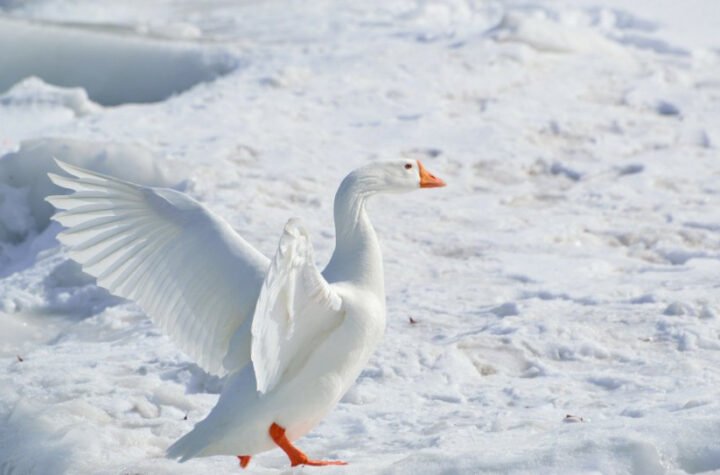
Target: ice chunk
112,68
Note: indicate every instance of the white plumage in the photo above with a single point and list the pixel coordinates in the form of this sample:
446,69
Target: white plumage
307,333
296,305
185,267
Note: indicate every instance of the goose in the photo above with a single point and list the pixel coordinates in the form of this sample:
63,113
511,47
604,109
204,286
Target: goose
289,340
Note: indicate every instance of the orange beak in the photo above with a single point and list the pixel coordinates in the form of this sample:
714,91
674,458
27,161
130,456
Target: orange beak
427,179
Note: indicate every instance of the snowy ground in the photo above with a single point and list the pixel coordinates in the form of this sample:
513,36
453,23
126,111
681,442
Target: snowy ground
570,267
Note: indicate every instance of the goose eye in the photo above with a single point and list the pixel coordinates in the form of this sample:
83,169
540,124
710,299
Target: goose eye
408,166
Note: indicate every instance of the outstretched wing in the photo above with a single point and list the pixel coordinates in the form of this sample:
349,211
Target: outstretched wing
185,267
296,309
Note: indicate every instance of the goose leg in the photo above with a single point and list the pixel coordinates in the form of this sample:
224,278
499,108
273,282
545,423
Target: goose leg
296,456
244,460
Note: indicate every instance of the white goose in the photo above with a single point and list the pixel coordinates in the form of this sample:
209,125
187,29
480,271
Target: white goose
308,334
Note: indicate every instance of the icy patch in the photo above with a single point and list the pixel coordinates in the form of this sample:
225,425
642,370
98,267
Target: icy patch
679,308
15,216
113,69
508,309
653,44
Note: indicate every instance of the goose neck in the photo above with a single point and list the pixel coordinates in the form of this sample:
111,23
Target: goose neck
357,257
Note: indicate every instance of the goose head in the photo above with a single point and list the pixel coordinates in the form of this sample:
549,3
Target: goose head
357,257
394,176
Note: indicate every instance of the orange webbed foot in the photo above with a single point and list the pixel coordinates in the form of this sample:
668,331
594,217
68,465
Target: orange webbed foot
244,460
296,456
320,463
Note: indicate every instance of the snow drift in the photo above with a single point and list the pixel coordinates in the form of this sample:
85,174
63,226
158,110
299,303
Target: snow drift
113,68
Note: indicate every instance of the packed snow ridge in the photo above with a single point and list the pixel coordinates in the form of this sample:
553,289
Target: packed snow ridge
114,68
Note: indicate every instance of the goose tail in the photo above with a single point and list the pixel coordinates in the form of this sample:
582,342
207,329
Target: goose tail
189,446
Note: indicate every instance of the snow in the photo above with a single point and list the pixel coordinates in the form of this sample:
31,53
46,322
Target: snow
569,268
112,68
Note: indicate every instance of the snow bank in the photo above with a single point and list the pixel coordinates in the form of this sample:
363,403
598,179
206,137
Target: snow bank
33,92
113,68
24,183
32,108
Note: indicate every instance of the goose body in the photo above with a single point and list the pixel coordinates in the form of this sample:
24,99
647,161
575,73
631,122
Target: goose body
291,339
239,422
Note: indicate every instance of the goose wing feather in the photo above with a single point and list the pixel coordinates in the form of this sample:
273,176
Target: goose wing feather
296,309
184,266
